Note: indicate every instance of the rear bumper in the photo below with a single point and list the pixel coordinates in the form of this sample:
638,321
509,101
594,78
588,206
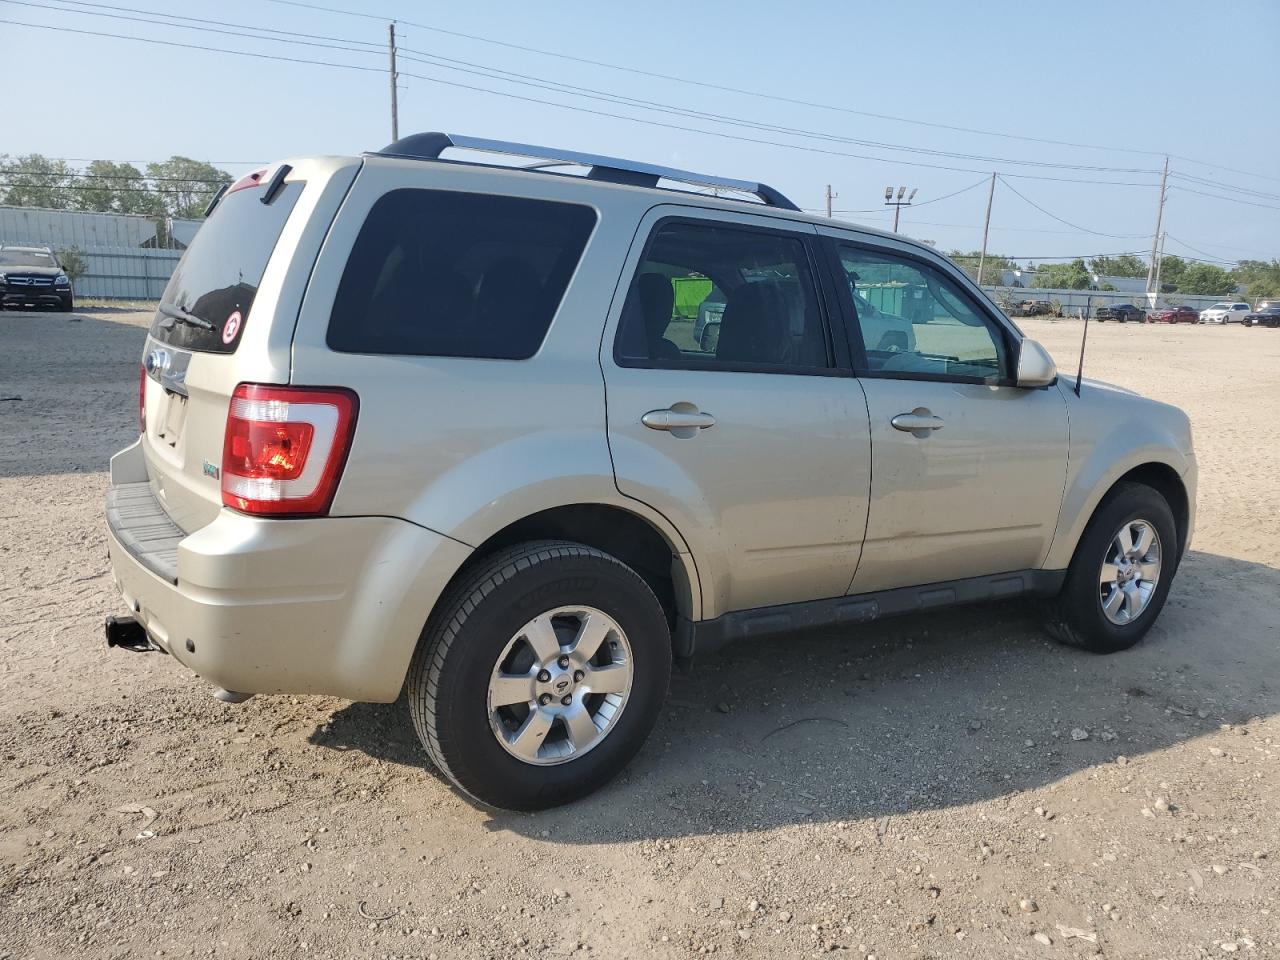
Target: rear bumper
331,605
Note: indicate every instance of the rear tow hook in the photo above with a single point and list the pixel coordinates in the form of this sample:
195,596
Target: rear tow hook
128,634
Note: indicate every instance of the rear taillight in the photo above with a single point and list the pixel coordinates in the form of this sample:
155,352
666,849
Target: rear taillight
142,398
285,448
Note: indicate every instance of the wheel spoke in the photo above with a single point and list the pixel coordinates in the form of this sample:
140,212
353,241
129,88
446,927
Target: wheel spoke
1110,573
1132,601
590,635
529,737
1113,602
1150,572
610,679
542,638
1124,539
1146,536
506,689
580,726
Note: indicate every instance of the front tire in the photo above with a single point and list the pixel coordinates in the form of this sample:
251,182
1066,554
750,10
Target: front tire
540,675
1120,575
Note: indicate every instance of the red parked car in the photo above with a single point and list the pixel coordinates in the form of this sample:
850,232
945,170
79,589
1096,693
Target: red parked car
1182,314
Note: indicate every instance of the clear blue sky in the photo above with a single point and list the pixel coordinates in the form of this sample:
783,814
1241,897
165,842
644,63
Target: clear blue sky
1198,80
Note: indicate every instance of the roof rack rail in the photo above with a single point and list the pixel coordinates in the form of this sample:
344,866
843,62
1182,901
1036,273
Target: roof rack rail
429,146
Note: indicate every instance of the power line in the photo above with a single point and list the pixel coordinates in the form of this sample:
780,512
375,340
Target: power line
203,26
552,103
490,72
1197,249
1098,233
1225,186
764,95
222,23
1247,203
192,46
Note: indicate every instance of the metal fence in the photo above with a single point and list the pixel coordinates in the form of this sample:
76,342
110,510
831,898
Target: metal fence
1075,302
125,273
127,257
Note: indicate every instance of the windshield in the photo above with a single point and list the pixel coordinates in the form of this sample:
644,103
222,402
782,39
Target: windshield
206,304
26,258
1221,306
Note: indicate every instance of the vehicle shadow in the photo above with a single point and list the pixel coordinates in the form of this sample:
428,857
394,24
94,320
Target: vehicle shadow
924,712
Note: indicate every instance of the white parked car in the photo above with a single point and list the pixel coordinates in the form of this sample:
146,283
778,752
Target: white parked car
1226,312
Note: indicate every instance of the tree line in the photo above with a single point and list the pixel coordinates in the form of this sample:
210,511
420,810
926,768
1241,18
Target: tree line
1257,278
178,187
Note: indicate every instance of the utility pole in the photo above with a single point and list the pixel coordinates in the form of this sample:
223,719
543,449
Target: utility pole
1155,237
395,110
899,203
830,196
986,227
1159,262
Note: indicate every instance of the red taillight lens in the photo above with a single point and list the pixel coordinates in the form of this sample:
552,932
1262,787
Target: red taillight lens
285,448
142,398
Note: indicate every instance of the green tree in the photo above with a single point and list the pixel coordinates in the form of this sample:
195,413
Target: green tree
185,186
115,188
1126,265
73,262
1206,278
36,181
1261,278
1064,276
991,266
1172,270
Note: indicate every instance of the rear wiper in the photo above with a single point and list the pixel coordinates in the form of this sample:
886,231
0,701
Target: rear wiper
180,315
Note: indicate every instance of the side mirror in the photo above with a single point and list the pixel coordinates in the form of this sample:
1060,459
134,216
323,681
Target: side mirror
1035,366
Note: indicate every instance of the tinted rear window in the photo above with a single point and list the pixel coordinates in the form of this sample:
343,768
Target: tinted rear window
218,276
438,273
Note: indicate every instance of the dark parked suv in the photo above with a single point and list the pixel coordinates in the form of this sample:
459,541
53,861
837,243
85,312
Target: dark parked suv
32,277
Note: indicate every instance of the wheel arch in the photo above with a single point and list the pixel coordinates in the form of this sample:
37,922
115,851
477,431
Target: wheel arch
1157,474
665,566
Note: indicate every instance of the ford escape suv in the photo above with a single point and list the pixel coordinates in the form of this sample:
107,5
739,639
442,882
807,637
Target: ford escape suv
410,421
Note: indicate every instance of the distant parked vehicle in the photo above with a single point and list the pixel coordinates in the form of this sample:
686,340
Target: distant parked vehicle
1267,316
32,276
1035,308
1233,311
1180,314
1122,312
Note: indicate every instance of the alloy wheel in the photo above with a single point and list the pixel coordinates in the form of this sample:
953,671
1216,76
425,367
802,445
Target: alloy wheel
560,685
1130,572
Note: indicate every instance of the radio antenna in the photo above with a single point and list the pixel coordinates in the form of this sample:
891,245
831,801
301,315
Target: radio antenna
1084,338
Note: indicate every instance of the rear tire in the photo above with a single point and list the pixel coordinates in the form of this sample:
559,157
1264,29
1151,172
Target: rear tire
1078,615
483,633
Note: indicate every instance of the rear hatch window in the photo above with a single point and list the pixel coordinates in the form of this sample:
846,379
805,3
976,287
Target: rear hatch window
206,304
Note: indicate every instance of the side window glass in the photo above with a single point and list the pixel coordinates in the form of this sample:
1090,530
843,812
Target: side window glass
713,297
916,320
440,274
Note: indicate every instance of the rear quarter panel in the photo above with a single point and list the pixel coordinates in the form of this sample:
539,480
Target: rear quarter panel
467,446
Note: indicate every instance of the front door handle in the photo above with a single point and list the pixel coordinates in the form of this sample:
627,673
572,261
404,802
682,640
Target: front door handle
919,422
681,422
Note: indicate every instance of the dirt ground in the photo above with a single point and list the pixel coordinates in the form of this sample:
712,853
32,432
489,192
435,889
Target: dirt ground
915,789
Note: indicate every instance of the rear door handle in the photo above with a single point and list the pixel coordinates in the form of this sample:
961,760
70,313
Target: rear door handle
919,421
679,421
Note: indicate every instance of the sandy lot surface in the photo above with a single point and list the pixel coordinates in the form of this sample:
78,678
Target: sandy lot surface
910,790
